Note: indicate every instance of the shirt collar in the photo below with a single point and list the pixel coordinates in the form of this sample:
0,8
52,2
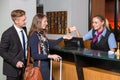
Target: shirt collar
18,29
103,33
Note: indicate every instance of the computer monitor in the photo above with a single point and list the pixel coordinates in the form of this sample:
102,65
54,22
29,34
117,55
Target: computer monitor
74,42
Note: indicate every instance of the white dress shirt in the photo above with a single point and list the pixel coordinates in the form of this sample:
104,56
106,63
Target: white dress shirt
20,37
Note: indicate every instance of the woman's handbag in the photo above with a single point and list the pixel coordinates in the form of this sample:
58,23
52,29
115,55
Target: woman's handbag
32,73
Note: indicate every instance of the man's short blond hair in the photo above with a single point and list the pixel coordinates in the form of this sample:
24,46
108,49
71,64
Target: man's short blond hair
17,13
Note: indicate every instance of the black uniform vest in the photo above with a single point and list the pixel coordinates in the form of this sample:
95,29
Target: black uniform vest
102,44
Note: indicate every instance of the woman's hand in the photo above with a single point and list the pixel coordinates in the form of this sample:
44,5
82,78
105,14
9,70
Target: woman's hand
54,57
73,28
67,36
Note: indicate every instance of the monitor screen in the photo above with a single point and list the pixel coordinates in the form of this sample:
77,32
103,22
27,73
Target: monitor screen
74,42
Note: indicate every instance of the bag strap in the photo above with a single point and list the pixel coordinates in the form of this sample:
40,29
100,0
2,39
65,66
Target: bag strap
39,53
29,55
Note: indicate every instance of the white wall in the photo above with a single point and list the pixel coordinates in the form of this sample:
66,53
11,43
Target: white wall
4,15
77,13
6,6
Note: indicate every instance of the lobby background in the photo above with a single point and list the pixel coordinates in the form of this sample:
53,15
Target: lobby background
77,14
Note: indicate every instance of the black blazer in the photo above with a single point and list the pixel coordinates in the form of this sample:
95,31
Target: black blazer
11,51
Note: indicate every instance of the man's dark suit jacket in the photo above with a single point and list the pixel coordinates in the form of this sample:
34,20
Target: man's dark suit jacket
11,51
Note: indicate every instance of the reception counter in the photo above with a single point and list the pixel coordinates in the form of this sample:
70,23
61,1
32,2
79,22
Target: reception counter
84,58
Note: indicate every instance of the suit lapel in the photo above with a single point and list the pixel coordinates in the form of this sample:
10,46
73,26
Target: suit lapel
16,36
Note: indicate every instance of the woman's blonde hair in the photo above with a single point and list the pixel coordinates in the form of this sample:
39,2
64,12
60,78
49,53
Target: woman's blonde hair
107,24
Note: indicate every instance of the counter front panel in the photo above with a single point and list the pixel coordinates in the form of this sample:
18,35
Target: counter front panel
88,58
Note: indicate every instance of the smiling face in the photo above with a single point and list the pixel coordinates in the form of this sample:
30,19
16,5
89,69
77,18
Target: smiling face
44,22
97,23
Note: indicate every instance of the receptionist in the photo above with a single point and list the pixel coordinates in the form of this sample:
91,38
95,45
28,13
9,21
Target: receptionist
102,38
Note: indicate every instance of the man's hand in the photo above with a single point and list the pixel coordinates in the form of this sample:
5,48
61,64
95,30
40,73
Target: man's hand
19,64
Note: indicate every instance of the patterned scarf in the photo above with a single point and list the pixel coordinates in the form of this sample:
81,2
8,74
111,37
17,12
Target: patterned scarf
43,44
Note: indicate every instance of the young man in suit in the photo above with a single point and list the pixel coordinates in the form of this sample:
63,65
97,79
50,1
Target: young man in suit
13,47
